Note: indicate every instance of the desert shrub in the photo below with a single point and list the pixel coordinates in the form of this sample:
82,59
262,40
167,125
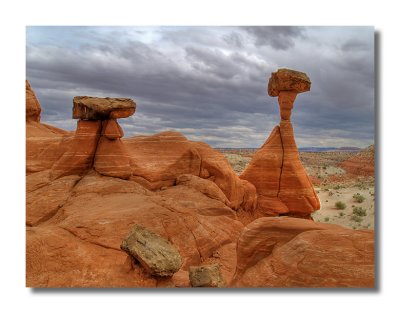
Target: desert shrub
356,218
330,193
359,211
358,198
340,205
341,214
361,186
337,187
326,219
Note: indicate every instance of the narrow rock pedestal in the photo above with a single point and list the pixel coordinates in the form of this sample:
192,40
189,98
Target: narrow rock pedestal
97,141
283,186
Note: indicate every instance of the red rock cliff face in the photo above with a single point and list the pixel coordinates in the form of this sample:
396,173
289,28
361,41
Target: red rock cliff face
283,186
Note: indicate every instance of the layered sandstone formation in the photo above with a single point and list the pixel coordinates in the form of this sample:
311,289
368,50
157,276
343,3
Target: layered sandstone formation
362,164
283,186
86,191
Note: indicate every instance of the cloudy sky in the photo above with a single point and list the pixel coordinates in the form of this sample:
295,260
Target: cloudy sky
210,82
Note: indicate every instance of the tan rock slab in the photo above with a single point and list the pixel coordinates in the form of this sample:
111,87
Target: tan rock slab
93,108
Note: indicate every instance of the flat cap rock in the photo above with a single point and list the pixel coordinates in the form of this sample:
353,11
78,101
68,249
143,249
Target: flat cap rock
93,108
288,80
156,254
206,276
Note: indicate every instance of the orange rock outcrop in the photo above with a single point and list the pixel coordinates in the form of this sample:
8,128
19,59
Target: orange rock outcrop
33,107
87,188
283,186
292,252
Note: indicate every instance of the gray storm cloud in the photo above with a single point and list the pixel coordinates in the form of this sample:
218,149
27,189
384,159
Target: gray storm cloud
210,82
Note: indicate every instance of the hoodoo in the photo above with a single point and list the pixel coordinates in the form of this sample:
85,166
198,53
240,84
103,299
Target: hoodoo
96,142
283,186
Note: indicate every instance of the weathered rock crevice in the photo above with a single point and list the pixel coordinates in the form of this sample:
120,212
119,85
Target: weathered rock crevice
283,158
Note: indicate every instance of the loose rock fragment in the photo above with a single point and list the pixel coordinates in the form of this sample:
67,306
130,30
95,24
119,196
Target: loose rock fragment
156,254
206,276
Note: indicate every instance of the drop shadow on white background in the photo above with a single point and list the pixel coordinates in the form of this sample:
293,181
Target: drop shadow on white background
378,228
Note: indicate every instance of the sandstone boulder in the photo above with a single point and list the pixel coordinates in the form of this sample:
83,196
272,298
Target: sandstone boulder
77,152
92,108
288,80
156,254
206,276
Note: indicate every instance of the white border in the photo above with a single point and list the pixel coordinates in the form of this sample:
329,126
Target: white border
17,14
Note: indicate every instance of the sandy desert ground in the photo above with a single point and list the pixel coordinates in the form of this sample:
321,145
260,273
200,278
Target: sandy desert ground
332,184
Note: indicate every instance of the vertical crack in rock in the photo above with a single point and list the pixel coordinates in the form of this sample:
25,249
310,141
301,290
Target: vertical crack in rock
283,158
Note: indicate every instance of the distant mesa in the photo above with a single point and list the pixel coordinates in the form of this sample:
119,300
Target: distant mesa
361,164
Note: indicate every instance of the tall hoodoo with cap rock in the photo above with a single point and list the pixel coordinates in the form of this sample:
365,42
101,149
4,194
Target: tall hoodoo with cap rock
282,184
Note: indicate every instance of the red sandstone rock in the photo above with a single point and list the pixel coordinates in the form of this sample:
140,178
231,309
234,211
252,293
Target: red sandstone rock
92,108
33,107
282,184
43,201
111,129
296,190
56,257
78,151
215,167
362,164
264,173
206,187
157,160
286,100
196,224
288,252
76,217
180,156
112,158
